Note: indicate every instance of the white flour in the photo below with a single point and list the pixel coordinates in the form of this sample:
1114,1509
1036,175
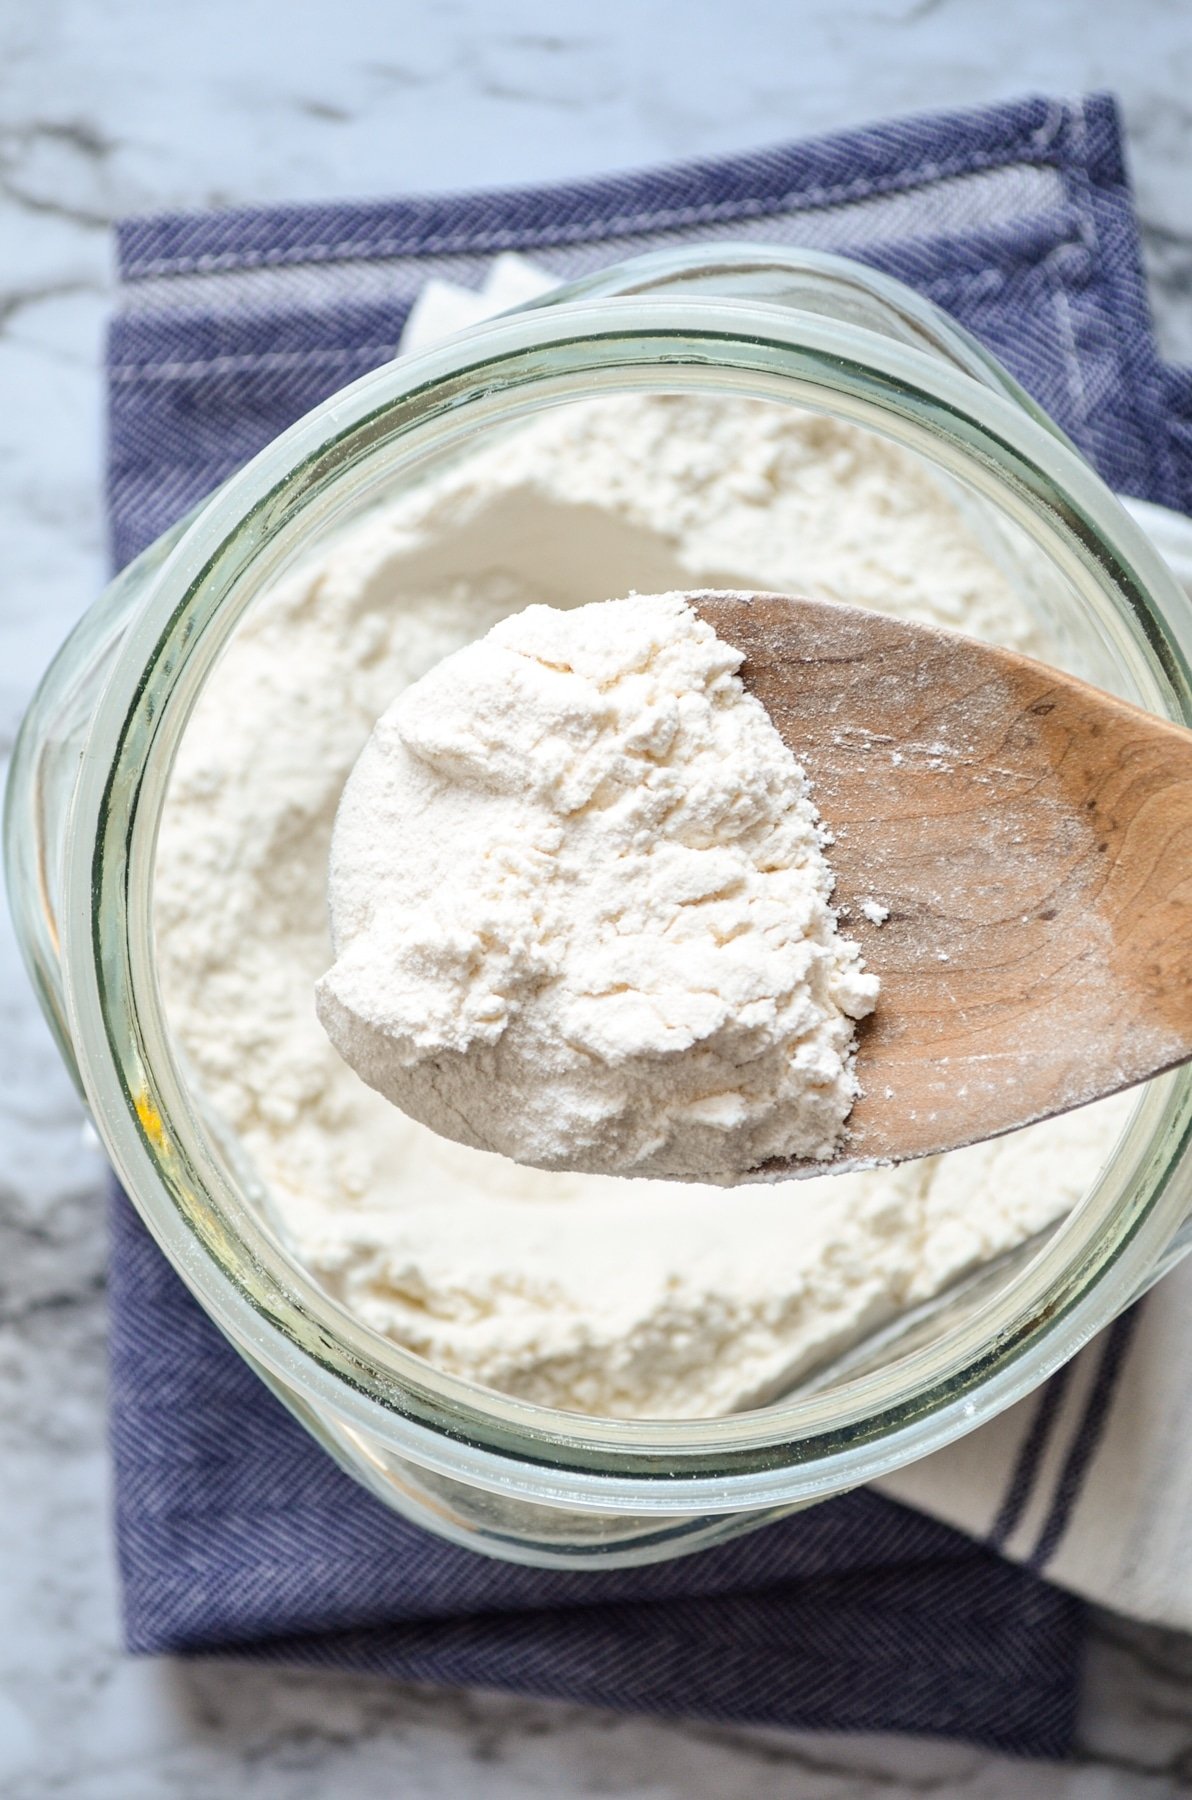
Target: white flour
581,908
581,1291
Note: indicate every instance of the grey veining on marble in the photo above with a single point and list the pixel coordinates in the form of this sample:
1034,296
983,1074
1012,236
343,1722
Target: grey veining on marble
113,106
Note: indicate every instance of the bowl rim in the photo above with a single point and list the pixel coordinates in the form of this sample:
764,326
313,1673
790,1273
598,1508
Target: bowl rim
231,548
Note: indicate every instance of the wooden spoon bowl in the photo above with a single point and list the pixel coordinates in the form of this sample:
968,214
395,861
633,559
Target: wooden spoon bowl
1029,840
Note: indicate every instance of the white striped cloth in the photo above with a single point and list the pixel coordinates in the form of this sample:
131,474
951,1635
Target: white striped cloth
1089,1480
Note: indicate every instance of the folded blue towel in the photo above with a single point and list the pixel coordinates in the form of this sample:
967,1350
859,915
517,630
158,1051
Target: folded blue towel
235,1530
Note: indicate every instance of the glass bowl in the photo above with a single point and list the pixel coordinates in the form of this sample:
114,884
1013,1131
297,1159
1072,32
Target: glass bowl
90,775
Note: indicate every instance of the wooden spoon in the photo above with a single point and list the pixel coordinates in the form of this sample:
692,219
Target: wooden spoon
1031,839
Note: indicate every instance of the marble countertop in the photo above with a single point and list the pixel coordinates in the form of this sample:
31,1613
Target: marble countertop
114,106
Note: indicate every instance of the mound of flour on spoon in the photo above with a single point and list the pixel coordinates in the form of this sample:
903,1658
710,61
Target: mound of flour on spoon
581,907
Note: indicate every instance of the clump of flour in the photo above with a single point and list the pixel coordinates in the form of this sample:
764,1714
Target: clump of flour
581,908
629,1298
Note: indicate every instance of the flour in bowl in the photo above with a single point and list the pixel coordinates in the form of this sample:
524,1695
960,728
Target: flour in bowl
628,1298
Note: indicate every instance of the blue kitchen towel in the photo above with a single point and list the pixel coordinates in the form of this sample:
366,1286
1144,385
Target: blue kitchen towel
235,1531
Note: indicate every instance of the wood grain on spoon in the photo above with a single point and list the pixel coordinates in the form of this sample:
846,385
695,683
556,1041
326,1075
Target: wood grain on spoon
1032,839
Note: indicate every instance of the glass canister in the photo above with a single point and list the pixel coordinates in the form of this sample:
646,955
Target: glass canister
90,777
